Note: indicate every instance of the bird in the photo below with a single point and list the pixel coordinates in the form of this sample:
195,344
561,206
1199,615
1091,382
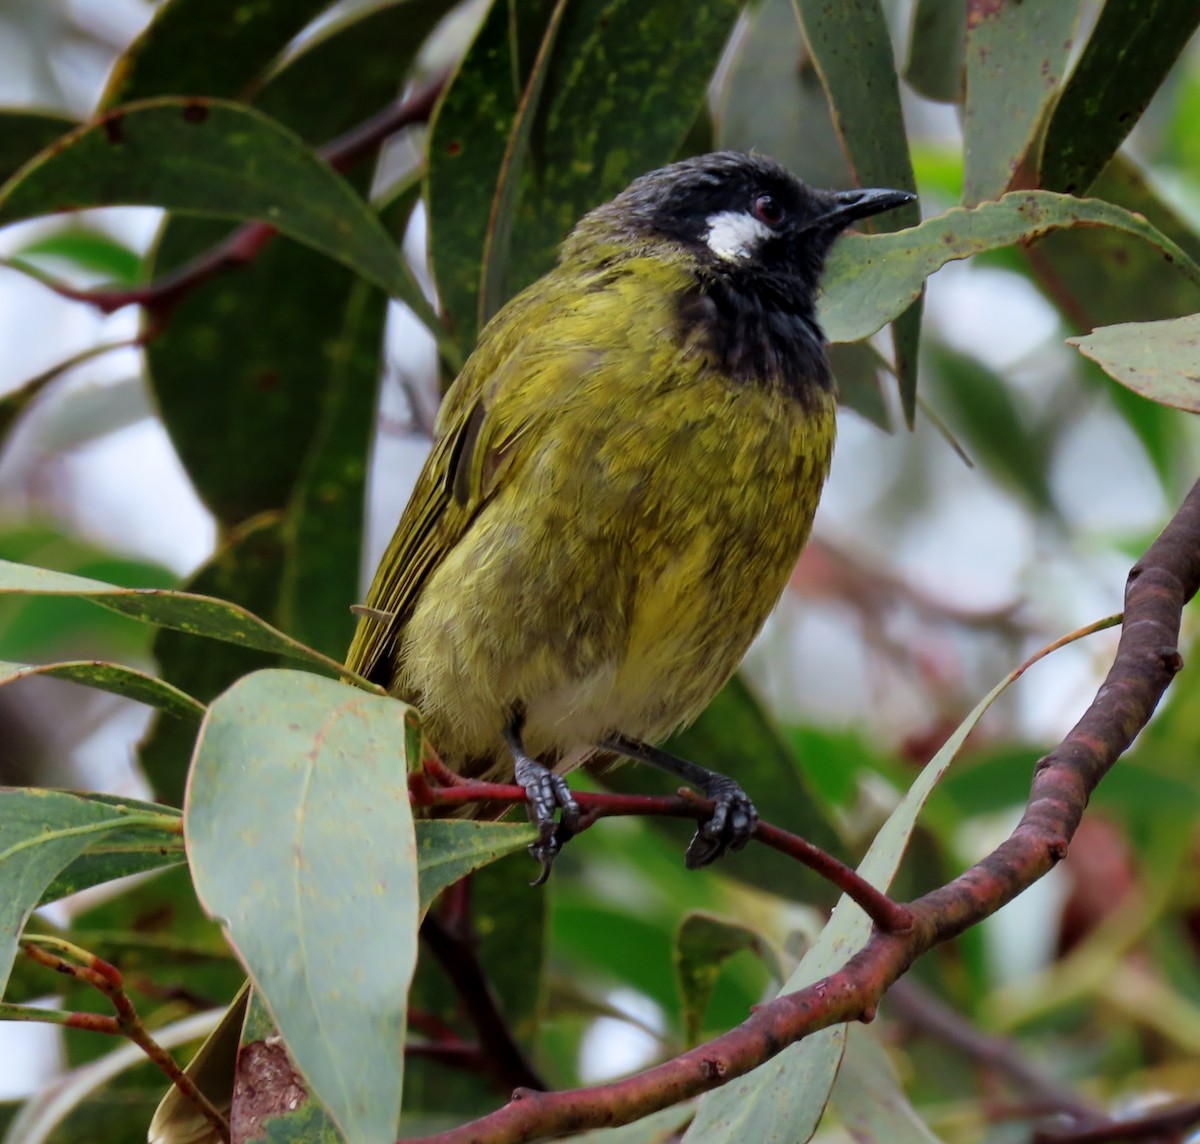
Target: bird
622,478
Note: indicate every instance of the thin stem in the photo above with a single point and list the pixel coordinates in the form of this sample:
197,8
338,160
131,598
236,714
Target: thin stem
455,952
104,977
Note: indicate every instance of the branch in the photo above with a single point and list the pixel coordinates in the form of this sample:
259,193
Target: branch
104,977
452,943
453,790
242,245
1147,659
1170,1121
925,1013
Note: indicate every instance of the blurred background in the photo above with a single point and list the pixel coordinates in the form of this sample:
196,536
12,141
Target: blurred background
941,559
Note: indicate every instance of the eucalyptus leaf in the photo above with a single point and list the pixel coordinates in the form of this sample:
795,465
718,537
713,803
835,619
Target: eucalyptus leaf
869,279
42,832
1131,50
116,678
206,47
181,611
207,157
1159,360
1016,54
301,843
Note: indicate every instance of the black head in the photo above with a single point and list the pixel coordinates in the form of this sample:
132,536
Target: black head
737,212
757,238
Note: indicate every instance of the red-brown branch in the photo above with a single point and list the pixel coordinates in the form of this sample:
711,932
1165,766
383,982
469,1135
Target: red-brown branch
1147,659
449,789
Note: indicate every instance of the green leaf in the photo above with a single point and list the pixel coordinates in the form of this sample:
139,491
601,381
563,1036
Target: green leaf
207,157
212,1070
703,943
1131,49
182,611
622,90
246,569
1159,360
498,238
625,85
852,48
772,99
868,1096
153,842
1017,51
206,47
41,832
24,133
937,42
91,250
467,143
1097,277
300,779
871,278
783,1100
449,849
113,677
376,43
16,401
856,366
324,525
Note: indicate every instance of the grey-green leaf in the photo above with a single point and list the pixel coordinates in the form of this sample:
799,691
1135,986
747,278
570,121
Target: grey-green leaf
301,842
116,678
869,279
782,1101
41,832
1017,51
182,611
1159,360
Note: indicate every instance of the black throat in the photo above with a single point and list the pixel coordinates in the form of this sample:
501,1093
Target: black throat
758,328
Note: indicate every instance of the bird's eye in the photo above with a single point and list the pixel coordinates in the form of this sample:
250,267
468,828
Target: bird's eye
767,209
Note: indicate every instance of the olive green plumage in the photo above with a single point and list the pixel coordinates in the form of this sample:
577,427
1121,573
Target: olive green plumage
622,478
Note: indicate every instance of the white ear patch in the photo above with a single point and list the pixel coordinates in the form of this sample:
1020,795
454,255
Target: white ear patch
735,234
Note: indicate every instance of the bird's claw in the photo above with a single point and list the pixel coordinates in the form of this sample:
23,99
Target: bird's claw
729,827
546,793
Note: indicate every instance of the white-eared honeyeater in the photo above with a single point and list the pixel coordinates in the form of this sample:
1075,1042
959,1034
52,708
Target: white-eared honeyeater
622,478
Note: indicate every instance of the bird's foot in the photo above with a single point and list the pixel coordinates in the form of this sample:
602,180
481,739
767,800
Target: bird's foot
728,828
546,793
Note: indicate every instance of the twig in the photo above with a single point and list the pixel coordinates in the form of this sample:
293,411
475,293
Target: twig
917,1007
456,791
242,245
455,952
1147,659
106,978
1171,1121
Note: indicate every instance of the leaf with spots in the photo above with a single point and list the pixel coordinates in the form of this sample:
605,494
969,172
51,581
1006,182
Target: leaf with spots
1017,51
1159,360
1132,48
301,843
207,157
871,278
116,678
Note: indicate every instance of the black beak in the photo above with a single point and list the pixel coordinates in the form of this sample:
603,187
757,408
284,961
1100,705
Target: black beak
848,206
